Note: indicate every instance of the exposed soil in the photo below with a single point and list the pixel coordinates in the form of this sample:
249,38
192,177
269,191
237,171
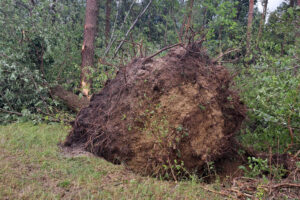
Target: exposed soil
164,116
74,151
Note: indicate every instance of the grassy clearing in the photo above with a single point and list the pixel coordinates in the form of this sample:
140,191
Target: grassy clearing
32,166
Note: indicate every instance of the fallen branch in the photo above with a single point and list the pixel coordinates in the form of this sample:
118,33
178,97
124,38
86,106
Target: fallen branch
11,112
163,49
103,62
240,194
131,27
216,192
280,185
73,101
223,54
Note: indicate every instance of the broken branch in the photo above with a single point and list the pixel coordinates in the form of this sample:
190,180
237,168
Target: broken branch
163,49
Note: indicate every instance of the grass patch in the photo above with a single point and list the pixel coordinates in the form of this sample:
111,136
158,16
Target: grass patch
32,166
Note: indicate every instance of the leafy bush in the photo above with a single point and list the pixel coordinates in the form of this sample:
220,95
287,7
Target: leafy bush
270,89
22,90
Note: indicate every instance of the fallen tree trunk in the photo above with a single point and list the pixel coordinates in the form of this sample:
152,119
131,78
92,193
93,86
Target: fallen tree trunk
162,117
73,101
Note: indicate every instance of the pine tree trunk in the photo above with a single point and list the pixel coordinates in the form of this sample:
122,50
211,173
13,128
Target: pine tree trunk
262,21
72,101
107,20
87,52
249,26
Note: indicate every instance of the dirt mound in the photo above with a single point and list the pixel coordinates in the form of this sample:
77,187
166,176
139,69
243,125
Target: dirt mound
162,116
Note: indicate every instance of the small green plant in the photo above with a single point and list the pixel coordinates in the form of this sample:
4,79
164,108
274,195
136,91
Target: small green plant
201,107
260,167
298,165
257,166
176,169
260,193
123,117
64,184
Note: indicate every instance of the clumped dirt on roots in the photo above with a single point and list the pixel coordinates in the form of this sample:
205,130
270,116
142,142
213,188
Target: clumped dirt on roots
162,116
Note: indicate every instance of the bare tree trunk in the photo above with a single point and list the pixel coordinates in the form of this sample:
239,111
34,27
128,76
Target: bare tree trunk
262,21
107,21
249,26
87,52
182,28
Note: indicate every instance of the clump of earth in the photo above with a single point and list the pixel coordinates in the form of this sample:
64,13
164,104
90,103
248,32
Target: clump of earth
162,116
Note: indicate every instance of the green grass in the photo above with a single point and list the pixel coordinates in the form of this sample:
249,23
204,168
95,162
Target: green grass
32,166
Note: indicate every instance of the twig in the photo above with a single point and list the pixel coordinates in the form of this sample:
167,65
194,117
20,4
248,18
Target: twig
216,192
174,177
163,49
291,134
131,27
103,62
286,185
239,193
297,154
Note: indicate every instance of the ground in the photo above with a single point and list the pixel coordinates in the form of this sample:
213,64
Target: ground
33,166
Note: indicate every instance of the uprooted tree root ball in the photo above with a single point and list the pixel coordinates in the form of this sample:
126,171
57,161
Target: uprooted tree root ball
162,116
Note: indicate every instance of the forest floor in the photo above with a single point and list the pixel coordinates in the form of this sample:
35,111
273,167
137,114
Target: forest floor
33,166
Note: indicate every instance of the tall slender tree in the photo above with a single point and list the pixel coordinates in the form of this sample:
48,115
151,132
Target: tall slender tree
262,20
107,20
87,51
249,26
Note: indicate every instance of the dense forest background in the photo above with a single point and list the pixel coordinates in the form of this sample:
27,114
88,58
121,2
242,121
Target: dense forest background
41,48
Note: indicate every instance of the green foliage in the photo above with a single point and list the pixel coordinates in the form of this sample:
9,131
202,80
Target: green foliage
257,167
21,90
270,89
260,167
39,47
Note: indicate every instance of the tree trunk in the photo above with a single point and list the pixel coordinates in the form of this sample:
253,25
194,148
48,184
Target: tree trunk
249,26
53,8
107,21
262,21
73,101
87,52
